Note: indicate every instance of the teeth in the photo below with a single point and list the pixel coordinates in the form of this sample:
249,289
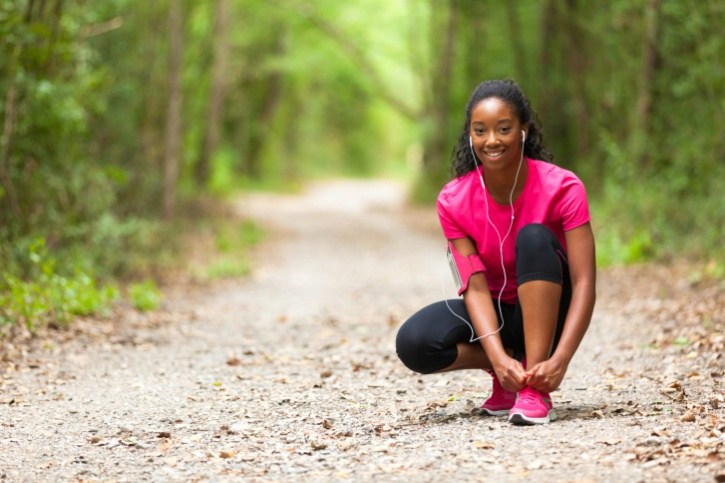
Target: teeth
494,155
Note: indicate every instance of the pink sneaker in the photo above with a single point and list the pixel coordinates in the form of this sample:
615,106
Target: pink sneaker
532,407
500,401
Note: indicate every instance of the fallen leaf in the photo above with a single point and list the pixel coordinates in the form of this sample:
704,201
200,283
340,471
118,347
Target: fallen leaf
610,441
484,445
318,445
689,416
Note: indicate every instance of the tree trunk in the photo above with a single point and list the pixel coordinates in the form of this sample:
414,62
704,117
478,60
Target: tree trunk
7,139
577,66
50,58
173,113
216,94
434,149
641,127
290,164
270,102
549,44
476,64
515,36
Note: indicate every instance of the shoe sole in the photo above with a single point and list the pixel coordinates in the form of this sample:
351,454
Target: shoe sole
522,420
499,412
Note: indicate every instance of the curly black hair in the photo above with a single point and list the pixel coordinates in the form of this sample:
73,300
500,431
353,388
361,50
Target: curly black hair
508,91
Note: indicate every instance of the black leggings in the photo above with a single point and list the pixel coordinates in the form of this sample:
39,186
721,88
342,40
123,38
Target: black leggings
427,341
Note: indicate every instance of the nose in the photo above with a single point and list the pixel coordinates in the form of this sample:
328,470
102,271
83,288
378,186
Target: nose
491,138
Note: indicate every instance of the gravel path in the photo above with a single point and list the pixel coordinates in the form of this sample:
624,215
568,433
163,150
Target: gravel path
291,375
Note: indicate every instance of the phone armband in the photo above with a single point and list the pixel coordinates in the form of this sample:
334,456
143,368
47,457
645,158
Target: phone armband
462,267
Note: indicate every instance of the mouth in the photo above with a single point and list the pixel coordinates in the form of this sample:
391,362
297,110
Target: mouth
494,154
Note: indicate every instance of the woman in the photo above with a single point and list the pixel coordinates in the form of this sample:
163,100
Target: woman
522,249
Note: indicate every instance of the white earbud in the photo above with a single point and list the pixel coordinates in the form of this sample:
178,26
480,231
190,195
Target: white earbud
473,154
523,136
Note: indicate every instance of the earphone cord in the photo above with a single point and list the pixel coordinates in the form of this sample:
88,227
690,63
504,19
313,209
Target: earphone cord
501,240
479,169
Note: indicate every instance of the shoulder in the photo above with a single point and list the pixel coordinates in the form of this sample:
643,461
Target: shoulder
458,189
452,203
552,170
555,176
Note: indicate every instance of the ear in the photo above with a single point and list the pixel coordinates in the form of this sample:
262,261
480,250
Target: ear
524,132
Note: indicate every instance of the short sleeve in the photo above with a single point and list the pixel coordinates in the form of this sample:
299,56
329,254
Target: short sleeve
574,204
451,229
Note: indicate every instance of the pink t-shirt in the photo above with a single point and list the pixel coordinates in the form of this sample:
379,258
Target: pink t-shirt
551,196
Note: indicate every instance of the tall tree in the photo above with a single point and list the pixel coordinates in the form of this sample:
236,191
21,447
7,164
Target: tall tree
640,128
436,109
216,93
270,98
516,36
172,151
577,55
8,132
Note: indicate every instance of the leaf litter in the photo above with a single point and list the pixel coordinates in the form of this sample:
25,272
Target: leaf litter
211,389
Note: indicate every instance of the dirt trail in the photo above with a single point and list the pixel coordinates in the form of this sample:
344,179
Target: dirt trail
291,375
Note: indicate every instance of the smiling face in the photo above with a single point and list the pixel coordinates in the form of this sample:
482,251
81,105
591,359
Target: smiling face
496,134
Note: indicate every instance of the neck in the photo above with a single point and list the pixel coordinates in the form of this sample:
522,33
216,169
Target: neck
500,184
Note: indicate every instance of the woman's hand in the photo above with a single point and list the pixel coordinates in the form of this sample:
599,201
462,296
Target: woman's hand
546,376
511,374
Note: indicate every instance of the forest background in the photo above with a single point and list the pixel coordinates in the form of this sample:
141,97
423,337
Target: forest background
123,121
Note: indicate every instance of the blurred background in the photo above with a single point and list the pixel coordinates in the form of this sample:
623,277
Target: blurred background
123,123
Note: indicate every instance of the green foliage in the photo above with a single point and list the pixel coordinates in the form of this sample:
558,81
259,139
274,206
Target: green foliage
145,296
613,248
49,297
232,236
328,88
713,269
232,241
228,267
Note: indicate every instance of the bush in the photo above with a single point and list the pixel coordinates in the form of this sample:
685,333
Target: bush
145,296
46,296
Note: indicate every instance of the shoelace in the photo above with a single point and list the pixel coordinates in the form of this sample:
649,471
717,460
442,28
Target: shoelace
533,396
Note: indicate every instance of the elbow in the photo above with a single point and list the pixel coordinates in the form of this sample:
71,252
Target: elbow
477,283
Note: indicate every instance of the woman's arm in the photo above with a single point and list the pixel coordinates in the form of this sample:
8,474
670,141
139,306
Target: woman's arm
548,375
479,305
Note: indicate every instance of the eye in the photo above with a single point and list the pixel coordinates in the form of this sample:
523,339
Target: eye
504,130
478,131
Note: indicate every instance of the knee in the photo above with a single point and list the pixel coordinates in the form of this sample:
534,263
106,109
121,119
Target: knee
535,237
410,345
538,254
417,351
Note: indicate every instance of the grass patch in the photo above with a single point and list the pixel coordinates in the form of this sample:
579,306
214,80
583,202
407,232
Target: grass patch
225,267
145,296
232,240
218,245
46,295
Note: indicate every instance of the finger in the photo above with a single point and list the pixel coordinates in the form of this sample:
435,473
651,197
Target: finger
521,381
521,374
537,380
534,372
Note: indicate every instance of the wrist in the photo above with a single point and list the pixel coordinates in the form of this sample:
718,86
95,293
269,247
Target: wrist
560,359
499,359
